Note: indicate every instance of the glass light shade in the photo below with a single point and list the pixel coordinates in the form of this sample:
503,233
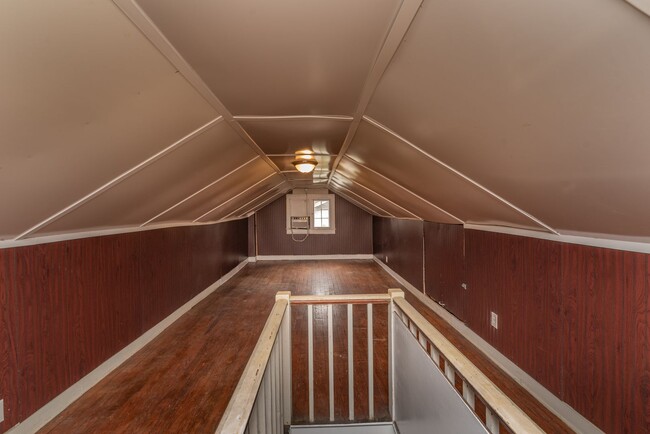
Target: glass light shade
304,166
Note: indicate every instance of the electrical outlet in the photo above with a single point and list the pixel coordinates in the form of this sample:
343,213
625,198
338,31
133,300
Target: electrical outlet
2,410
386,259
494,320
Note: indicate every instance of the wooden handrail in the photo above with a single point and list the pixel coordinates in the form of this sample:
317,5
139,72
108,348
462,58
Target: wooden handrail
509,413
340,299
240,406
238,412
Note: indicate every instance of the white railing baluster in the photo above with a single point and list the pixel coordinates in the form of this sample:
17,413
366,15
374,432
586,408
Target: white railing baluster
491,421
350,364
278,393
269,403
310,333
286,367
435,355
261,409
392,311
273,389
278,380
330,361
450,373
280,383
371,369
423,340
468,394
252,422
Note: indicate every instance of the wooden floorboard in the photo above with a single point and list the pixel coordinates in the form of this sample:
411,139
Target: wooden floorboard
181,382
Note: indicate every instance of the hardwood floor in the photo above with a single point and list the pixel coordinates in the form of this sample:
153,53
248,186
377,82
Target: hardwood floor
182,381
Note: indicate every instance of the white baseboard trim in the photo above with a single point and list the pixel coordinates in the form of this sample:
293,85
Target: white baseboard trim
50,410
565,412
252,259
311,257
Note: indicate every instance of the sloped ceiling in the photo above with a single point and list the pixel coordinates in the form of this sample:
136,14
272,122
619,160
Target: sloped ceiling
122,114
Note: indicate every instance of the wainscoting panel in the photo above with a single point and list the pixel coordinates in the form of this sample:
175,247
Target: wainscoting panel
444,250
67,307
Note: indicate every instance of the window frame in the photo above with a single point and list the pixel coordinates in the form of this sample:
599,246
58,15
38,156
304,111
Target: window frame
311,199
329,214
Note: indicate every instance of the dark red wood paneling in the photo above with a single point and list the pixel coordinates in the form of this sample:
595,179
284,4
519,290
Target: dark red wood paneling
161,295
444,247
399,244
378,237
252,242
576,318
8,353
518,279
353,232
69,306
636,347
42,310
594,333
181,262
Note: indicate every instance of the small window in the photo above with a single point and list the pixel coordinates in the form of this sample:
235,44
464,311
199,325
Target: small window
322,214
315,210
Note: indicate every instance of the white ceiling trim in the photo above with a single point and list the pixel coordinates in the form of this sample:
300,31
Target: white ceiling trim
368,207
399,27
367,200
142,21
293,118
235,212
405,189
121,177
537,221
607,243
642,5
199,191
383,197
236,196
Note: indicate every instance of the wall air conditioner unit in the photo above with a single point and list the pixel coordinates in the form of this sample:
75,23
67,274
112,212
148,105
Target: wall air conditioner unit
300,222
310,212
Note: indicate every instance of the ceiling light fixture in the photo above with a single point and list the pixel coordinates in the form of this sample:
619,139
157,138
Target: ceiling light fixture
304,163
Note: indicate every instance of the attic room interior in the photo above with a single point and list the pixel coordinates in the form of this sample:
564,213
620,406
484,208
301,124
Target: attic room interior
333,212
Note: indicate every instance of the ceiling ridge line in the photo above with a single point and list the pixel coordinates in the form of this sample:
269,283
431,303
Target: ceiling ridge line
253,200
199,191
336,187
234,197
400,25
292,117
387,130
293,155
404,188
383,197
124,175
141,20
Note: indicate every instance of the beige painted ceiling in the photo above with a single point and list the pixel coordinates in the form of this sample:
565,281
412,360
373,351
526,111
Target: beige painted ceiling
520,114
